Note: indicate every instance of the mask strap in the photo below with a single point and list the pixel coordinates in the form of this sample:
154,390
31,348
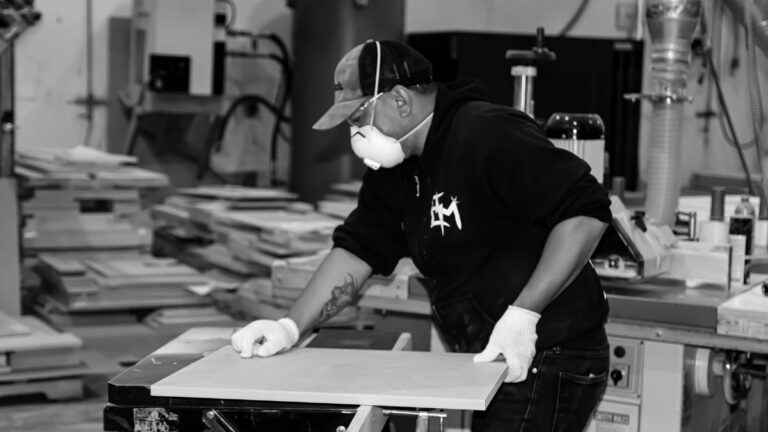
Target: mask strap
417,127
376,84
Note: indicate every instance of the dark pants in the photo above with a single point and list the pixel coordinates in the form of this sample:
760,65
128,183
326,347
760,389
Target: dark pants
561,392
564,384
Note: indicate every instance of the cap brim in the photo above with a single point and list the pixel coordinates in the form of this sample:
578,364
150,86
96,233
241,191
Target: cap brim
338,112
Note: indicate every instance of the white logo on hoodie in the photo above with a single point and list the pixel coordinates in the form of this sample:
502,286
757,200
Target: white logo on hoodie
439,213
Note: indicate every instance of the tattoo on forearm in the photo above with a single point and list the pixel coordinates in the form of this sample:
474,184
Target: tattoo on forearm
341,296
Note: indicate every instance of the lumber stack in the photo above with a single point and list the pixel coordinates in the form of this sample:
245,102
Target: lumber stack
290,276
34,358
116,281
340,200
190,214
83,199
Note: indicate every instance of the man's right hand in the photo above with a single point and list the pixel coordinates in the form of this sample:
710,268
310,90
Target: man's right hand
265,337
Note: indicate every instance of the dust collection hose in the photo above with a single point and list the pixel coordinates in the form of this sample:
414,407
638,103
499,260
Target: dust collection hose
664,161
671,24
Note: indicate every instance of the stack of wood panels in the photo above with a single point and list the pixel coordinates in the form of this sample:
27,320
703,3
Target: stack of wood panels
119,281
276,233
256,299
191,213
341,199
83,199
34,358
83,167
196,208
290,276
72,219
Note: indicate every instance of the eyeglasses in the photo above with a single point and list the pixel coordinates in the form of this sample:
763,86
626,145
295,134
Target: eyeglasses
357,117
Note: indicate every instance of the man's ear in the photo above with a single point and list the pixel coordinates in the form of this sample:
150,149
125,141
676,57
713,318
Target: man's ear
403,100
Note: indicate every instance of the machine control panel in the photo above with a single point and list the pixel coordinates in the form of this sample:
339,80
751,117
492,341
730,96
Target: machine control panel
624,373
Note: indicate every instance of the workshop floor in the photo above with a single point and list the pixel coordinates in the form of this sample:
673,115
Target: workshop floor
35,414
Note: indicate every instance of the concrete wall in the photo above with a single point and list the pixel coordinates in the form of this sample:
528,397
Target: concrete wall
515,16
50,67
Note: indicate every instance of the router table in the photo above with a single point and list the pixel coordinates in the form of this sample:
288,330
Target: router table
134,406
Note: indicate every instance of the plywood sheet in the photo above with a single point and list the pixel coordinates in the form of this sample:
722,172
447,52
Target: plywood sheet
10,326
340,376
40,337
237,193
285,221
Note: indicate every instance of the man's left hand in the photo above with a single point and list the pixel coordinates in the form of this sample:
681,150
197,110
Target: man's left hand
514,336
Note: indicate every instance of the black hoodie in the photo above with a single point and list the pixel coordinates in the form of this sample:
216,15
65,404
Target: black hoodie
475,209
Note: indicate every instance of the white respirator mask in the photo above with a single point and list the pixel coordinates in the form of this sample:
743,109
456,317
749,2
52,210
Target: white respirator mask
376,149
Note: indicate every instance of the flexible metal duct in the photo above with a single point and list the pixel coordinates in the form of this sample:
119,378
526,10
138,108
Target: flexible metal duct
671,24
664,162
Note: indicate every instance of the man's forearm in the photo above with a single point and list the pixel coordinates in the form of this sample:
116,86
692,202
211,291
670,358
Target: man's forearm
335,284
567,250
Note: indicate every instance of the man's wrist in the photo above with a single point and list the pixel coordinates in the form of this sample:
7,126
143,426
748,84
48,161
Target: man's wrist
532,314
291,327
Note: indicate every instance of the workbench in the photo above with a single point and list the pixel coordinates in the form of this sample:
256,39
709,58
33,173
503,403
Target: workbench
656,310
131,406
658,323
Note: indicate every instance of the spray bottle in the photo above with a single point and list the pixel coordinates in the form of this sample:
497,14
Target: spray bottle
742,223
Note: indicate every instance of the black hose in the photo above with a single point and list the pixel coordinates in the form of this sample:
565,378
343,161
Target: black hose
574,18
287,80
258,100
727,115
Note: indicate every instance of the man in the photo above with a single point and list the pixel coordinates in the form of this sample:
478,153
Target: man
488,208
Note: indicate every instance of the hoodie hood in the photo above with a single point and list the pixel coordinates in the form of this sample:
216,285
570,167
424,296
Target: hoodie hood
450,97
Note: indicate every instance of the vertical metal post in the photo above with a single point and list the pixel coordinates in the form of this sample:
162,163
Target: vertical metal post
323,32
522,99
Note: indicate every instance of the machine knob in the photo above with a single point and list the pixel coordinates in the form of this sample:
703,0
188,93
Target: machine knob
619,351
616,376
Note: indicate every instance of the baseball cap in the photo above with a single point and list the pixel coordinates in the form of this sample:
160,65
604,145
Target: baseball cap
355,77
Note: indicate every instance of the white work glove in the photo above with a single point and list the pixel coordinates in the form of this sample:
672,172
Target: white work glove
514,335
265,337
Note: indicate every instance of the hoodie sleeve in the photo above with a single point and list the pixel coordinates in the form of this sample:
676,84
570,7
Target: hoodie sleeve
542,183
373,231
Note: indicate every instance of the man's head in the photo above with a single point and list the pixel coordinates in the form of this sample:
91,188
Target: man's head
384,91
356,73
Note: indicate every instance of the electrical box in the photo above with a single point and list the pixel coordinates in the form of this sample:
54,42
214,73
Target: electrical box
176,46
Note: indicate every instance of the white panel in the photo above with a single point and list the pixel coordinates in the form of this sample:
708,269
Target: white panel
340,376
185,34
512,16
661,405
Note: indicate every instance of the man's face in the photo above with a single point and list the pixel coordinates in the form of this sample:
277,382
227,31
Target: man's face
383,113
